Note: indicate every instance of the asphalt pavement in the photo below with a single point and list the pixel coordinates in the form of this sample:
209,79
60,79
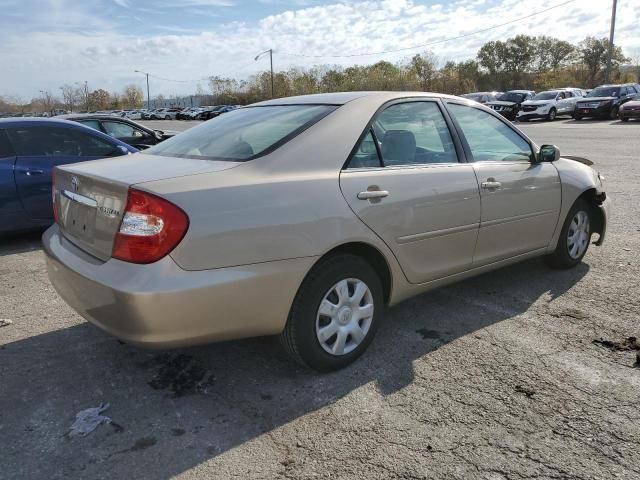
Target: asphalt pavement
525,372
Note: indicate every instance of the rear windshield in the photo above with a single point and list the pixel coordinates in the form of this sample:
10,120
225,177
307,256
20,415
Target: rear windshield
242,134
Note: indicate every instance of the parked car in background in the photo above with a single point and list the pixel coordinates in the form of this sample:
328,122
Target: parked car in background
184,114
482,97
165,114
508,103
29,150
550,104
123,129
146,115
220,111
132,114
629,110
306,216
605,101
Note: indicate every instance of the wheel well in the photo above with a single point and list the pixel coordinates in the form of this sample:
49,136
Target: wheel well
372,256
594,200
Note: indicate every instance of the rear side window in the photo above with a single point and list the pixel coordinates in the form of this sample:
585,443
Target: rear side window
121,130
57,142
6,150
243,134
414,133
488,137
90,123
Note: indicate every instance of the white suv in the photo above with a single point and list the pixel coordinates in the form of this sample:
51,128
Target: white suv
550,104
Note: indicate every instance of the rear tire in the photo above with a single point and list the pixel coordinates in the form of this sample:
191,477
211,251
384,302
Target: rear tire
335,314
575,237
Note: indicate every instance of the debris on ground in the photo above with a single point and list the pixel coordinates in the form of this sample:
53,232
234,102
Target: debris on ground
628,344
528,392
180,373
5,322
88,420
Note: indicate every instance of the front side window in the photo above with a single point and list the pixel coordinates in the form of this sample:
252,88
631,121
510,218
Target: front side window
414,133
242,134
488,137
120,130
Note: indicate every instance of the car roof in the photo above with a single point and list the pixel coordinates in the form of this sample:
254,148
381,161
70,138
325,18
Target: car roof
342,98
36,121
519,91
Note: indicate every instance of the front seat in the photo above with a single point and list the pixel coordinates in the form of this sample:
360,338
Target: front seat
398,147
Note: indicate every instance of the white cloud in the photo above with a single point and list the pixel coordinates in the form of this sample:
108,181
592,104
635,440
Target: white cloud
91,48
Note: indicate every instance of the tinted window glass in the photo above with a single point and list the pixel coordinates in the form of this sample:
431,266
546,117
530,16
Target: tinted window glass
489,138
414,133
6,150
367,154
57,142
242,134
604,92
91,124
120,130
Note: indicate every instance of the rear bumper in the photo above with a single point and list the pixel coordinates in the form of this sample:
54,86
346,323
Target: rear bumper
160,305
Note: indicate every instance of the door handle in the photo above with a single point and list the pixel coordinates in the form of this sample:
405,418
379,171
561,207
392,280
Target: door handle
30,173
491,184
369,194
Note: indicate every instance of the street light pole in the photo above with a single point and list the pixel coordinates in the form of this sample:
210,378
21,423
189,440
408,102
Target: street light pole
611,33
148,97
270,52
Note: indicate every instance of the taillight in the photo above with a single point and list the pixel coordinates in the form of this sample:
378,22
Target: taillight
151,227
53,196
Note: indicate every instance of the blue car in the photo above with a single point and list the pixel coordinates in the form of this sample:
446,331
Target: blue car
29,149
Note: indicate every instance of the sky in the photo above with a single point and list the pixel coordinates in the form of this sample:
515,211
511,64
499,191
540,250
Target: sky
46,43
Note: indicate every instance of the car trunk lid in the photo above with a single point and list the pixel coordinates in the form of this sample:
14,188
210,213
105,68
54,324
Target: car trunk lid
90,197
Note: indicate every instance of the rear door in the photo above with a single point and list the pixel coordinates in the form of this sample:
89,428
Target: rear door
406,183
39,149
520,199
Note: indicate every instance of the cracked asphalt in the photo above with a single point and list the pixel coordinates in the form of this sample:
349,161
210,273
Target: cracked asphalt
497,377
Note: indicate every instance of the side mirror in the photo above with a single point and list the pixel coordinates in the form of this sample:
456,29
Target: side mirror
122,150
548,153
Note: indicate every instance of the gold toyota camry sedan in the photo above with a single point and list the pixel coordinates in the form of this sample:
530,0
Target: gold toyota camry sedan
305,217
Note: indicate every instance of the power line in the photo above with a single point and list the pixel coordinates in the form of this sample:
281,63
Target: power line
437,42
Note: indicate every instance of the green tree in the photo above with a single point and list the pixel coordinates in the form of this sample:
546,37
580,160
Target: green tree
593,54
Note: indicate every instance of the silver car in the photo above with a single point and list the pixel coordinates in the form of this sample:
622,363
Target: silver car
305,217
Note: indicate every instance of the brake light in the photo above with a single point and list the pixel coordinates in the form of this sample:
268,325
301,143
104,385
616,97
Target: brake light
151,227
53,196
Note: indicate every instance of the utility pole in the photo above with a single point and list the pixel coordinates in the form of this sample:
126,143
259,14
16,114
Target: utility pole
148,97
613,28
270,52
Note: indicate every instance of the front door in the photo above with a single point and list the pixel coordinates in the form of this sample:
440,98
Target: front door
520,199
406,184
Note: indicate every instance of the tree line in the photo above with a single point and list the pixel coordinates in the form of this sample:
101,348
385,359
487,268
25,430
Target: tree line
524,61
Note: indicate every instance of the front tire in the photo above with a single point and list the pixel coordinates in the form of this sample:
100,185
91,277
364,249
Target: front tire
551,116
575,237
335,314
613,114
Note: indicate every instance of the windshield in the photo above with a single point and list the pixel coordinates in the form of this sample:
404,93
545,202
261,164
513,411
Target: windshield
604,92
512,97
545,96
242,134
